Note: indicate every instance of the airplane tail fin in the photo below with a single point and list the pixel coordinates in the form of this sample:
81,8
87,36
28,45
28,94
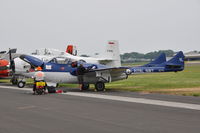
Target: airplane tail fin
112,53
176,63
159,60
71,49
178,58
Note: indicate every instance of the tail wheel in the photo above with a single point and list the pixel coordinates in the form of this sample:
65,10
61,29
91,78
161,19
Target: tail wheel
85,86
21,84
100,86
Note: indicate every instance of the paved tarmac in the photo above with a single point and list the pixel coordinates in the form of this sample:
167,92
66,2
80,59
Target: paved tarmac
22,112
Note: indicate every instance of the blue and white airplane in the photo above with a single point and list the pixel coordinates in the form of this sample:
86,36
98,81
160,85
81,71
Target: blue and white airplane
110,57
161,65
60,70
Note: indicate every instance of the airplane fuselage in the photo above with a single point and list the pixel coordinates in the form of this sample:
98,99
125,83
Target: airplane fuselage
64,73
136,70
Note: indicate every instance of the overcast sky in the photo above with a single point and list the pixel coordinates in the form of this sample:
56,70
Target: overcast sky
138,25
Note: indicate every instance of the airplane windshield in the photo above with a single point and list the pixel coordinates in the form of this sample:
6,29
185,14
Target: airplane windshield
60,60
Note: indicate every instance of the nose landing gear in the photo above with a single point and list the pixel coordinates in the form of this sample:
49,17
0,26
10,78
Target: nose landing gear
21,84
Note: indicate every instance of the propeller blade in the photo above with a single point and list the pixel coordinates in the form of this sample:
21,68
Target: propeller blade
12,63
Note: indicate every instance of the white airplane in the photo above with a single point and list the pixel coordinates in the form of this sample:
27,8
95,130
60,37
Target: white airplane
110,57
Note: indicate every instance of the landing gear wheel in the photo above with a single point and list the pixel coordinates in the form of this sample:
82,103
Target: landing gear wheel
14,81
85,86
100,86
21,84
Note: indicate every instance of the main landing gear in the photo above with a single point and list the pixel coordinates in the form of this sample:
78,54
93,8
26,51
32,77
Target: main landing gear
19,81
100,86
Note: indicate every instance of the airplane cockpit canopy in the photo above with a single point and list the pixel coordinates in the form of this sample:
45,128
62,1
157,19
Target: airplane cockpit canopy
60,60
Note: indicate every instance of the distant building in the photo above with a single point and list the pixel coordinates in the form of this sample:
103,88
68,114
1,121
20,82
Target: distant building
192,56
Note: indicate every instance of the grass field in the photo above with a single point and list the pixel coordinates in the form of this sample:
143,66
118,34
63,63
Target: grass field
186,82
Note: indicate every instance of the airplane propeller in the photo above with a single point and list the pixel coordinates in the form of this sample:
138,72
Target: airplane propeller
2,52
12,66
12,63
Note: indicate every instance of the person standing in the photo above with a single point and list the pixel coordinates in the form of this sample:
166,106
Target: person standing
80,73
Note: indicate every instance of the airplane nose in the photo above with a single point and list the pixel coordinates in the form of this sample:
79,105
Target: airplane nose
32,60
22,57
128,71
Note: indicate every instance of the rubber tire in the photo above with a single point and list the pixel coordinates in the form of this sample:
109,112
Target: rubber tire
21,84
14,81
100,86
85,86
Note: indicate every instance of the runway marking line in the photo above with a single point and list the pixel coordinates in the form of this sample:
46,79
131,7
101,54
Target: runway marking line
26,107
124,99
138,100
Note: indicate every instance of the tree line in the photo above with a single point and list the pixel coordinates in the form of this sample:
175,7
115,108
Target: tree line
135,56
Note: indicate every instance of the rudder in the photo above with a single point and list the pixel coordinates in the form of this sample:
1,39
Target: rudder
112,52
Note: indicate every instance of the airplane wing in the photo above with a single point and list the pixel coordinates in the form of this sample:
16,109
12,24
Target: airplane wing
108,74
110,69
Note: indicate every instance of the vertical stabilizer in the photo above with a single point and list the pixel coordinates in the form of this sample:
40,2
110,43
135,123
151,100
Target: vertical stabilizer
159,60
178,58
176,63
71,49
112,53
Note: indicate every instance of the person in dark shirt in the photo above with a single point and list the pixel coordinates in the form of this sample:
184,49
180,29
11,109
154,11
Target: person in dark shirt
80,72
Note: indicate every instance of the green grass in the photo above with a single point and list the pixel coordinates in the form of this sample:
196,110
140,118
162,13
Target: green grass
4,81
28,81
188,78
69,85
153,82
